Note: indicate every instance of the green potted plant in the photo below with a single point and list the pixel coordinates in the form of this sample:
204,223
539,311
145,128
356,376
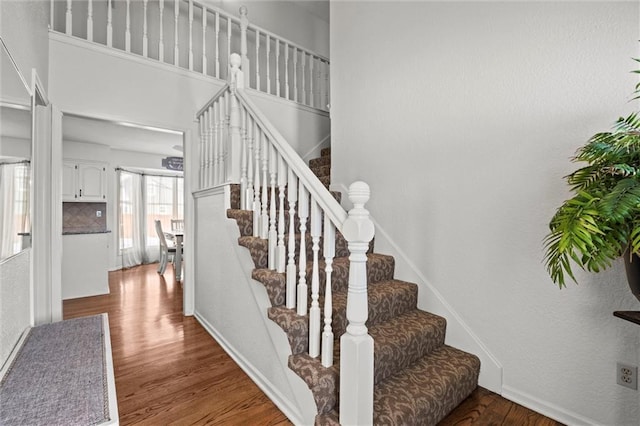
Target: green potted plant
601,221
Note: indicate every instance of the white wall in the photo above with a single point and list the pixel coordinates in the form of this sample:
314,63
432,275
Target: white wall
464,117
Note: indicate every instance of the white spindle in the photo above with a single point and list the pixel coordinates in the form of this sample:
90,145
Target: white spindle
303,76
90,20
328,249
203,137
250,132
268,50
51,14
327,89
204,40
292,197
213,156
190,35
264,217
257,59
277,67
356,345
109,23
311,78
273,235
314,311
281,259
234,147
244,24
127,31
217,22
161,35
69,19
303,214
228,41
176,15
145,36
257,206
243,159
286,70
295,73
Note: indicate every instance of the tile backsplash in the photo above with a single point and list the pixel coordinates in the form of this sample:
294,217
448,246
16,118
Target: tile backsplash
82,217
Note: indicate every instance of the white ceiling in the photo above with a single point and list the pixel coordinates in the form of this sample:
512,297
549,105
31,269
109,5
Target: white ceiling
121,136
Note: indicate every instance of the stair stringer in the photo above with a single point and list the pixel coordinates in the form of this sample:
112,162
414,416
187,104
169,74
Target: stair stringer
232,307
459,333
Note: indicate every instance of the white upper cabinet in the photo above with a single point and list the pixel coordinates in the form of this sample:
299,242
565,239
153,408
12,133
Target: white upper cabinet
84,181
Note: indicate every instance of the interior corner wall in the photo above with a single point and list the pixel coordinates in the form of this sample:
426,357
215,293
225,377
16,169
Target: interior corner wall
462,117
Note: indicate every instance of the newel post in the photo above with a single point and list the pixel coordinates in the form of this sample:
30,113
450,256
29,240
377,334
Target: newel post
356,345
244,24
234,158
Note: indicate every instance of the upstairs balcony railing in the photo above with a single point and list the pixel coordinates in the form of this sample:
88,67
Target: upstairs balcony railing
193,36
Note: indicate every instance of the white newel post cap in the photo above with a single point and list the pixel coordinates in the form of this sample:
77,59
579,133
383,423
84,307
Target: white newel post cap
358,227
236,74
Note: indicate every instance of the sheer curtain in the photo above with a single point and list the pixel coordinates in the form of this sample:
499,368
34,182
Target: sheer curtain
14,206
131,219
145,198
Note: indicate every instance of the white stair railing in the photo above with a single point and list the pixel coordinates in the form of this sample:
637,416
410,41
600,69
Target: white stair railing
279,66
276,165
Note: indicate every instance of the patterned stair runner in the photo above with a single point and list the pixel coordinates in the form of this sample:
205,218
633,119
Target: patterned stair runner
418,379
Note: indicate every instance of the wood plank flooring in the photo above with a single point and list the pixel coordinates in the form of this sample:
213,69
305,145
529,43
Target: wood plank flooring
170,371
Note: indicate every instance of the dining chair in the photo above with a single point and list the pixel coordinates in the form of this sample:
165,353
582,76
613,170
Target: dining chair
165,249
177,224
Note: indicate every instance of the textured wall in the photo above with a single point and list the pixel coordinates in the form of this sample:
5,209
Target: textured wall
14,301
462,117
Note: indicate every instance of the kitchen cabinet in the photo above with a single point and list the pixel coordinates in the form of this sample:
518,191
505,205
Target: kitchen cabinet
84,181
85,259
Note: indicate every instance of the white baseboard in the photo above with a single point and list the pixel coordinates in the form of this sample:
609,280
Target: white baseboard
545,408
265,386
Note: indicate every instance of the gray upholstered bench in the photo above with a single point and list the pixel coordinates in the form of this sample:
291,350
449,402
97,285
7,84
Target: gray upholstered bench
61,374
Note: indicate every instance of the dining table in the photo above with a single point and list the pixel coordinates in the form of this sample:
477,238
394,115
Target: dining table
178,237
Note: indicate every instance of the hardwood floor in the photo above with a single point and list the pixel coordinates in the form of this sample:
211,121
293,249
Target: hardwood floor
170,371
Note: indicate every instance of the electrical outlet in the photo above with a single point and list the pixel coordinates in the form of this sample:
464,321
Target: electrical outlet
627,375
98,213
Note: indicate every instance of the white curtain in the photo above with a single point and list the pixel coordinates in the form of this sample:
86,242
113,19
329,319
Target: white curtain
144,198
131,221
14,206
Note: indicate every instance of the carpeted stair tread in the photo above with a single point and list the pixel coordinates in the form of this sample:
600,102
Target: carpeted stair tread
295,326
428,390
325,152
322,381
422,332
320,161
322,170
332,418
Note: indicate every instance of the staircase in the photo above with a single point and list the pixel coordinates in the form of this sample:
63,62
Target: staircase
418,379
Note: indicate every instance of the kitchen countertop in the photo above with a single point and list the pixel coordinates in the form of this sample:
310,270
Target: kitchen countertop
84,231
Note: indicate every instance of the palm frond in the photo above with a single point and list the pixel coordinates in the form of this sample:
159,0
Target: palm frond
622,202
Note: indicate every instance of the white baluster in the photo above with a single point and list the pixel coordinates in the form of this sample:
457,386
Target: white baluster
203,137
264,217
69,19
250,133
190,35
109,23
281,257
176,15
243,159
244,24
356,345
233,160
303,76
228,41
214,153
327,89
295,73
51,14
273,234
303,214
90,20
257,59
127,32
257,206
209,152
145,36
217,45
314,312
223,132
268,64
311,78
328,249
277,67
292,197
286,70
161,35
204,40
